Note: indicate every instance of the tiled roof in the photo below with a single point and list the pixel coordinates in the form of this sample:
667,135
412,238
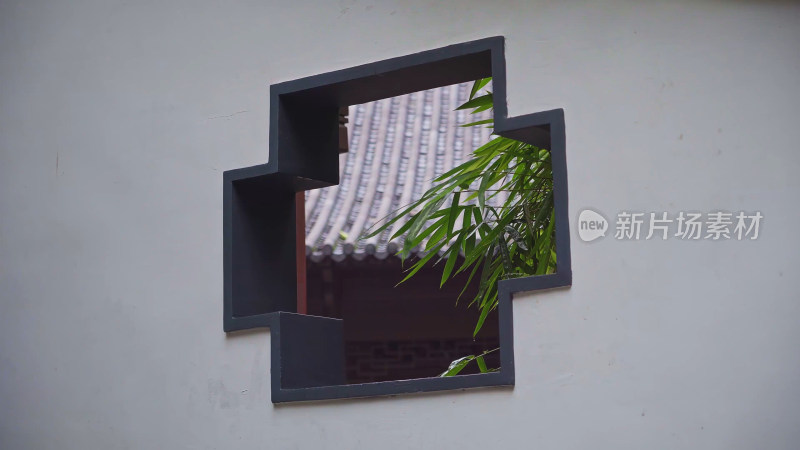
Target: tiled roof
397,147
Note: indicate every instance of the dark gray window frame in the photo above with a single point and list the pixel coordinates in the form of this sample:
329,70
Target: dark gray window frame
260,279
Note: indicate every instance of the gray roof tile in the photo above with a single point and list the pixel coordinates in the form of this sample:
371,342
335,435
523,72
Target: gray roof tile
397,147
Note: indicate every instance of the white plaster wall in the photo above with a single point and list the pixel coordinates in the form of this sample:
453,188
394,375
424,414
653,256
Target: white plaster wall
118,118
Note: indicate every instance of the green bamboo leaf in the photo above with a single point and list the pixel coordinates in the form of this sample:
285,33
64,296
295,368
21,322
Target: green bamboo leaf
477,102
465,167
484,314
457,366
485,242
482,108
480,122
422,217
437,237
475,268
504,254
492,147
415,240
490,296
479,224
482,195
403,229
517,237
543,257
468,237
451,262
454,213
419,264
485,275
481,364
477,85
399,215
544,209
527,211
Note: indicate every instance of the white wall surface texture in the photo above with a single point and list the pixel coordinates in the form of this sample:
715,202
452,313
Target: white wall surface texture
116,122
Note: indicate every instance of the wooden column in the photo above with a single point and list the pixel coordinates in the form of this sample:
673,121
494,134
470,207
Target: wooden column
300,246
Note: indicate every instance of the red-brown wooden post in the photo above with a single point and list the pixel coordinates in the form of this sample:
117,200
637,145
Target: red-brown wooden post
300,247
